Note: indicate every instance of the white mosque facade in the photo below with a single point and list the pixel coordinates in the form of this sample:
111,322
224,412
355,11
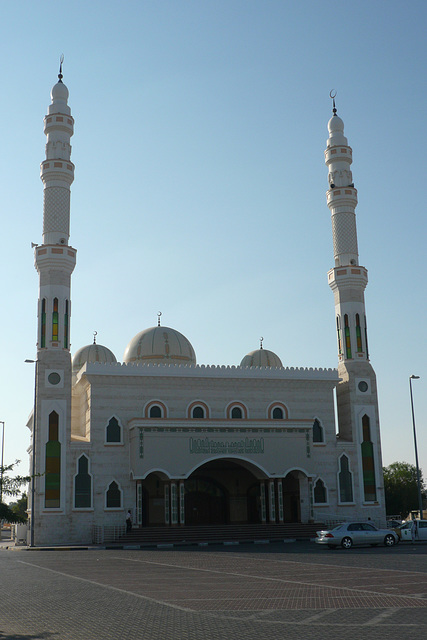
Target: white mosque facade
180,443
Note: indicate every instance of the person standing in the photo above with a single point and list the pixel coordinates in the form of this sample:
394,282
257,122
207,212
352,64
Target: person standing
129,521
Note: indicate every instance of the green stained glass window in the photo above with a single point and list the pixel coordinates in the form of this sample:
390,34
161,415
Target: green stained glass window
347,337
55,320
53,465
43,325
358,334
368,464
339,336
66,316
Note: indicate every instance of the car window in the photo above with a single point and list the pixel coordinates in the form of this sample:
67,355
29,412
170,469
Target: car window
407,525
369,527
354,527
422,524
340,526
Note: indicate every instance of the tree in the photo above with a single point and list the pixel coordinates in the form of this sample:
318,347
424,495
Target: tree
11,486
401,488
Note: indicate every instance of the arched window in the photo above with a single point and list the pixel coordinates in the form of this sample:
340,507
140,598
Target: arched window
198,412
339,336
66,318
358,334
366,339
113,431
277,413
345,480
53,465
43,325
320,496
368,465
83,484
155,411
113,496
55,320
236,413
317,431
347,337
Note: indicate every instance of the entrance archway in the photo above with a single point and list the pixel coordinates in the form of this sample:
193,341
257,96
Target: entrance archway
222,492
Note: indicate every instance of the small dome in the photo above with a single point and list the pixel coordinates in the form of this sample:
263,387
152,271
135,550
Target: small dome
160,345
59,92
92,353
335,124
261,358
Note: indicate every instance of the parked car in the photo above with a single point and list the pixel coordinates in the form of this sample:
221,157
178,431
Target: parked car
350,533
404,531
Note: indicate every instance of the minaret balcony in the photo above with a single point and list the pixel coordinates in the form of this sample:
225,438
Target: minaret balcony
341,196
57,170
55,256
350,277
59,122
338,153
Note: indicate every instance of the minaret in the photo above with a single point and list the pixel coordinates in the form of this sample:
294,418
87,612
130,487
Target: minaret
357,403
54,261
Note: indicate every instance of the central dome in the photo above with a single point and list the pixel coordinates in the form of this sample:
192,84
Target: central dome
261,358
160,345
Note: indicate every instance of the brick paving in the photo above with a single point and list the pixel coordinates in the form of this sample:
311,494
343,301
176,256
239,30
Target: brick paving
295,591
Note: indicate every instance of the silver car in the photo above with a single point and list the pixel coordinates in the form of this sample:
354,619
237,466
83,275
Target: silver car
349,533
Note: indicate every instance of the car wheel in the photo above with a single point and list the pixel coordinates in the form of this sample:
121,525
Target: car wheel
346,543
389,540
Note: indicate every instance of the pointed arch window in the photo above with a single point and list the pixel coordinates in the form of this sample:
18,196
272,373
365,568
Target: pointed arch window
55,320
66,322
320,493
43,325
53,465
368,464
155,411
347,337
345,480
113,433
317,431
358,334
83,484
113,496
339,336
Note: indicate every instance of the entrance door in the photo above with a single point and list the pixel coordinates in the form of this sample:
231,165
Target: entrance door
291,498
205,502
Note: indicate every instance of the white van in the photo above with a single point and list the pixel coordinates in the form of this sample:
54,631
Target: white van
405,530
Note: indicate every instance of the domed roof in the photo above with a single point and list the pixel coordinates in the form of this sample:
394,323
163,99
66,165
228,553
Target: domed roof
59,92
261,358
335,124
92,353
160,345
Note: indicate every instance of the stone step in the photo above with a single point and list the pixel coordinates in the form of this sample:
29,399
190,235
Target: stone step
224,533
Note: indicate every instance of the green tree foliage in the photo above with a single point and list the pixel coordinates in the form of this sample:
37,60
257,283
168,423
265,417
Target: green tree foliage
11,486
401,489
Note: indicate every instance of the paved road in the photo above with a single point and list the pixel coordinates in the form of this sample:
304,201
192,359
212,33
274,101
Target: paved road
294,591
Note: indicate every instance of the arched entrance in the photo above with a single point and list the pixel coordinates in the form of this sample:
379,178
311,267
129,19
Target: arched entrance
222,492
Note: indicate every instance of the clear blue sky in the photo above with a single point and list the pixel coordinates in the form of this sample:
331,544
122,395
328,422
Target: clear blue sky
200,182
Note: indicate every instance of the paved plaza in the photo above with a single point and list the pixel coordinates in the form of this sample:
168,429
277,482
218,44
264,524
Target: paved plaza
250,592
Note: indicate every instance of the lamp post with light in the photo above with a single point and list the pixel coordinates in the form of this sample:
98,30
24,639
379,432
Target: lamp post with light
420,500
2,462
33,466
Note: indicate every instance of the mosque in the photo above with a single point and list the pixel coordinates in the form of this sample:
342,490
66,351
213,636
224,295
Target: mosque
181,443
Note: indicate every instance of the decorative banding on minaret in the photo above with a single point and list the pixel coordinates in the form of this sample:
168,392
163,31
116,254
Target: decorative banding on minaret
347,279
55,259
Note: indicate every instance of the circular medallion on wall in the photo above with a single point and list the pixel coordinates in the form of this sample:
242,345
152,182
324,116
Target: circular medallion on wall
363,386
54,378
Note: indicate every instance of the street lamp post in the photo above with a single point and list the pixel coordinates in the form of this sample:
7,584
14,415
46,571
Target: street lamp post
2,463
420,500
33,466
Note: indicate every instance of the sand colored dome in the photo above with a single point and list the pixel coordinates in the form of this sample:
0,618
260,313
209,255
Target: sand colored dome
160,345
92,353
261,358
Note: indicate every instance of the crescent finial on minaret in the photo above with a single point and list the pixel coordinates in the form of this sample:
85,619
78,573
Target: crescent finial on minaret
95,333
261,340
158,318
333,94
61,61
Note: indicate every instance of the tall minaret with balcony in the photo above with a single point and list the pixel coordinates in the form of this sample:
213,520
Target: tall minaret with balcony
357,402
54,261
